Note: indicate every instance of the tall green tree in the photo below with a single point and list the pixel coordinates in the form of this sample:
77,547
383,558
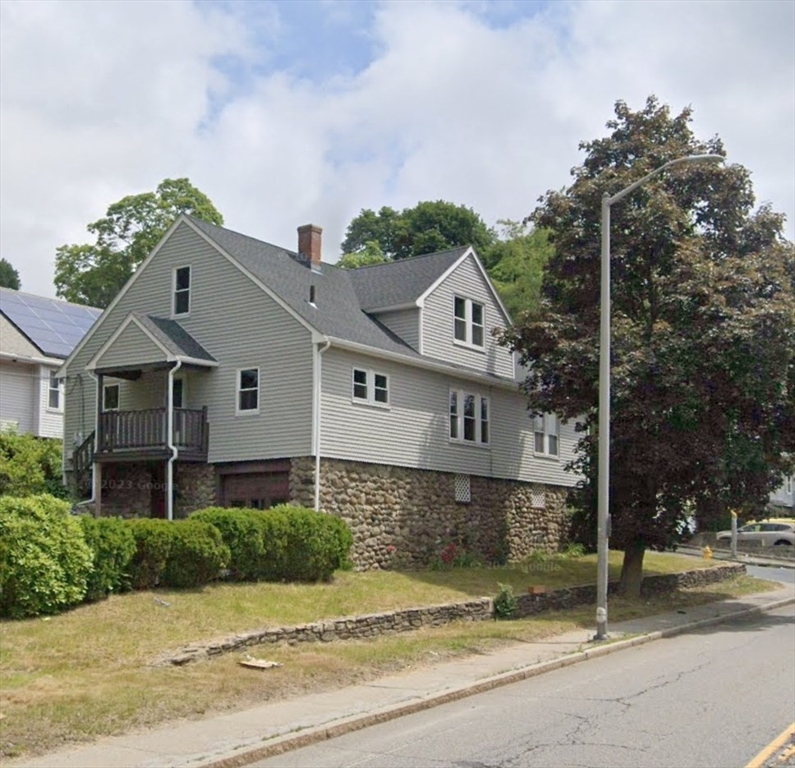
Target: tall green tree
427,227
515,263
703,306
9,277
94,273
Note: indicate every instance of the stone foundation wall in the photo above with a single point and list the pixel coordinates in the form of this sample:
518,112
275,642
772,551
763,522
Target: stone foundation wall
126,490
195,486
378,624
403,517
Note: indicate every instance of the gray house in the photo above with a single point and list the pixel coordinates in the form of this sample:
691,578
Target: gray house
229,371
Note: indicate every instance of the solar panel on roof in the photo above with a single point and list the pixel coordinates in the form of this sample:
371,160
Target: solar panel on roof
54,326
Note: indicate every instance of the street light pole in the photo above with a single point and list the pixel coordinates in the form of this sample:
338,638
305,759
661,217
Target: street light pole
603,487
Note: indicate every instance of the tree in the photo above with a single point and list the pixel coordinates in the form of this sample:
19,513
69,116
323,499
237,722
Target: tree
94,273
9,277
427,227
515,263
369,255
703,363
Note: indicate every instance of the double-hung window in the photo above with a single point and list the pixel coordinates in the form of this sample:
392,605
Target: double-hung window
370,387
468,322
469,417
54,393
110,397
182,291
248,390
547,434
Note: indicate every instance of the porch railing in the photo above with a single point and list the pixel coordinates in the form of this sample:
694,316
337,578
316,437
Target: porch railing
148,429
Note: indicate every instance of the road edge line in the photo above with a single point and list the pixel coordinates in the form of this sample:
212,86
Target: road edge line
771,748
278,745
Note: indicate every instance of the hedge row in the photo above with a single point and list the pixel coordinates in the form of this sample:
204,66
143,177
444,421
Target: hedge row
50,560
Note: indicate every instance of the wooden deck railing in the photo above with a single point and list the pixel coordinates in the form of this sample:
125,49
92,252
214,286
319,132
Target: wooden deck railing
148,429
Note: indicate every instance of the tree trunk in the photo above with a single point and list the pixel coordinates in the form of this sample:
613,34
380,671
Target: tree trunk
632,569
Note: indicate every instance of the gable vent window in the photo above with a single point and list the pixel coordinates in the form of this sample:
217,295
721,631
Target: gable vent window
463,489
469,322
370,387
182,291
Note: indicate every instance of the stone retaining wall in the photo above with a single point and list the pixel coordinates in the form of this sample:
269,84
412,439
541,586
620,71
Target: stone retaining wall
377,624
403,518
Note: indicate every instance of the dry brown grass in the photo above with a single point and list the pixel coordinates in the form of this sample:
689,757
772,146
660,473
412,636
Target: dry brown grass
85,673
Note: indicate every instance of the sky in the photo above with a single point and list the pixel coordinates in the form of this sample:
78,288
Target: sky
288,113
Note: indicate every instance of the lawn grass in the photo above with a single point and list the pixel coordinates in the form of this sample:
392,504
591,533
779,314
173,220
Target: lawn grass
87,673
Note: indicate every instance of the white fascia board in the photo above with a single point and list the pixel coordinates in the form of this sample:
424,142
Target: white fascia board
464,256
93,364
430,365
51,361
278,299
117,298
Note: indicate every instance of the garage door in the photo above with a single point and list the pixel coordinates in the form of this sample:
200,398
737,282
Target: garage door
258,490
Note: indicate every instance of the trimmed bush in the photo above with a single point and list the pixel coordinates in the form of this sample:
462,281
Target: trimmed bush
197,554
284,543
113,545
30,465
241,533
45,562
153,540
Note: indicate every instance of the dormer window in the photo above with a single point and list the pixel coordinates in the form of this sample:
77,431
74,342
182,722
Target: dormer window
468,322
182,291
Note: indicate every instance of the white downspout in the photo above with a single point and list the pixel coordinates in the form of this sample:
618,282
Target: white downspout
98,415
317,408
171,446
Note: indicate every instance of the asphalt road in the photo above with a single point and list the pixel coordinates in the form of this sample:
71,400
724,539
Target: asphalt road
713,698
772,573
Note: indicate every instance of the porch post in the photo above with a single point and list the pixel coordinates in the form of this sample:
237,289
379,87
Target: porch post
98,431
96,479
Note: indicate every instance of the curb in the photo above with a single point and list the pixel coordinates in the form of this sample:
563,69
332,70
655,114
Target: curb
281,744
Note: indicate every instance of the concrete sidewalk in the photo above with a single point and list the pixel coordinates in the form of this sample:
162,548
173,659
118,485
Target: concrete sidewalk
237,739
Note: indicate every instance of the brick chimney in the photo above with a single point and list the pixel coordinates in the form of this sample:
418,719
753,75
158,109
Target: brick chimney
309,245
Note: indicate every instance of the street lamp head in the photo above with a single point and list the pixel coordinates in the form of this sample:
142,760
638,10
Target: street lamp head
696,159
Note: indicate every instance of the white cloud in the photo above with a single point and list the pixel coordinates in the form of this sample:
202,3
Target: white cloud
100,100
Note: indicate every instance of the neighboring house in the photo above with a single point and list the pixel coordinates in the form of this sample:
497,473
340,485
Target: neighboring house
782,500
229,371
36,336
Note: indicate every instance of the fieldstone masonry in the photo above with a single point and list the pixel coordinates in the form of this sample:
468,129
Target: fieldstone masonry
195,484
404,517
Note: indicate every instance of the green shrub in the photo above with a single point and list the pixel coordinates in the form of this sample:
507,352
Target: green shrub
153,541
506,603
241,533
113,544
30,465
45,562
196,556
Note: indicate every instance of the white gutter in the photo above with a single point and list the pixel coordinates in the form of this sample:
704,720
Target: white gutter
492,381
51,361
171,446
316,407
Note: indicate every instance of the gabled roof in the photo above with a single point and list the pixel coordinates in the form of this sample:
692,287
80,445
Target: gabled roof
401,283
52,325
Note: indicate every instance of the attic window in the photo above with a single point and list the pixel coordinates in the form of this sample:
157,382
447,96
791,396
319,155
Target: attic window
468,322
182,290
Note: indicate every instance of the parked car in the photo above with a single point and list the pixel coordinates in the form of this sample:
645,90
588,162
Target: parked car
772,532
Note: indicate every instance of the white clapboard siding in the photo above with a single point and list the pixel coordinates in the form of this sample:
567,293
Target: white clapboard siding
404,323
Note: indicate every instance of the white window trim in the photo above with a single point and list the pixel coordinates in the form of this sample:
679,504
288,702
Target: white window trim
238,390
105,388
59,389
461,394
370,384
545,454
468,343
174,312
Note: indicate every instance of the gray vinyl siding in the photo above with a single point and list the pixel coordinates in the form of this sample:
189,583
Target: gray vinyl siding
131,344
241,327
405,323
18,387
414,430
467,282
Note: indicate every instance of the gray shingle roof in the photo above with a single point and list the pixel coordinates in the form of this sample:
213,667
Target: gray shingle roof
401,282
174,337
